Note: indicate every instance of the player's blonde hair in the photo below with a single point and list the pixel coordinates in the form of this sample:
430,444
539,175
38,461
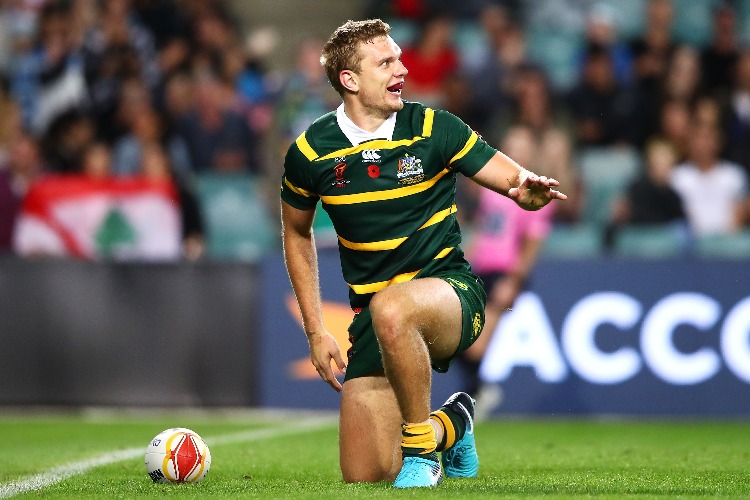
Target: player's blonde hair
340,51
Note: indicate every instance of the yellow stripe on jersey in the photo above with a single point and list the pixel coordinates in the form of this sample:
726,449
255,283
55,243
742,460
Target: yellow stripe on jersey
401,278
305,147
389,194
376,287
429,116
392,244
373,246
443,253
440,216
296,189
374,144
467,147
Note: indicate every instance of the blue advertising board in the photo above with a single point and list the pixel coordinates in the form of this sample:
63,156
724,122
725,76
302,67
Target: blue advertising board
601,336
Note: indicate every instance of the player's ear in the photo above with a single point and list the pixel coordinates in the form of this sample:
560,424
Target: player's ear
349,80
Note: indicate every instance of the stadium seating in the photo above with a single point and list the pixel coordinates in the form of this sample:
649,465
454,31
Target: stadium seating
238,223
660,241
555,51
693,21
578,241
605,173
733,246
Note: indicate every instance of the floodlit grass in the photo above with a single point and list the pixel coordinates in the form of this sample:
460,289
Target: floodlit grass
519,459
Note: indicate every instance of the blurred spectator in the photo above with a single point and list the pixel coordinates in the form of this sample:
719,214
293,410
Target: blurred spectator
653,49
17,26
169,26
682,80
531,104
493,76
737,123
601,31
602,111
652,53
96,162
718,59
650,199
256,85
457,91
133,99
116,50
17,172
713,191
503,252
179,91
556,160
48,80
155,166
11,119
147,127
252,78
218,136
674,126
306,95
66,140
429,60
706,111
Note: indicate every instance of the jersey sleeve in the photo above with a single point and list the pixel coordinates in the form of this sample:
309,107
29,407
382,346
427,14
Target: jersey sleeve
464,150
296,184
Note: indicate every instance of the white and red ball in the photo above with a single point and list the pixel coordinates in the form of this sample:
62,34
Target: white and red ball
177,455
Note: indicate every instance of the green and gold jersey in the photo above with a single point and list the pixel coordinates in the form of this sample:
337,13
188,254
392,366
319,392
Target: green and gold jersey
392,202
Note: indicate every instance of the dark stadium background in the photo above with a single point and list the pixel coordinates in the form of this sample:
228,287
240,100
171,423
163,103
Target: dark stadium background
218,330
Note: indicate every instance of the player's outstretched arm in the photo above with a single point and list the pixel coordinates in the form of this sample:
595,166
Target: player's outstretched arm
528,190
302,265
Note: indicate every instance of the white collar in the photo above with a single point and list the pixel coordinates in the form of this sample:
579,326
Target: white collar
357,135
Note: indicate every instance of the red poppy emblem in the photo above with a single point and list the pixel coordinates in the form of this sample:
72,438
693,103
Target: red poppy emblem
373,171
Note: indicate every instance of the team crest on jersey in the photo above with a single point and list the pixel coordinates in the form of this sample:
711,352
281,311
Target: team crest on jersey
410,170
371,155
338,171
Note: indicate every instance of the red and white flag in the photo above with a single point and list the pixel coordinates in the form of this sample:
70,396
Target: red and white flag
120,218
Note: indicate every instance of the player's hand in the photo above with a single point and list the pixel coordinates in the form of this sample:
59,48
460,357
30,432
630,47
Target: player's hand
535,192
323,349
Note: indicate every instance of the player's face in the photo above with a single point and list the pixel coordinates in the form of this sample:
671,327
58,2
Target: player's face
381,76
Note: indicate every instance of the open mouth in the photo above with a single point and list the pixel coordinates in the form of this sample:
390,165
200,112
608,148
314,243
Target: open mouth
396,88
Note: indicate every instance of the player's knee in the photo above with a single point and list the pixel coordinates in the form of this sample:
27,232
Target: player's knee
387,316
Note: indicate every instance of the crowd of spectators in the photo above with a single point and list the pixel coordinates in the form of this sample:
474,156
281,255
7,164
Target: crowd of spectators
680,109
178,88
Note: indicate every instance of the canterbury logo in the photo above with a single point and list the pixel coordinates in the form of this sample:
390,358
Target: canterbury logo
371,155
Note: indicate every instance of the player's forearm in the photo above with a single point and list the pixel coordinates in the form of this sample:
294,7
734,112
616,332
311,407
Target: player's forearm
302,265
501,174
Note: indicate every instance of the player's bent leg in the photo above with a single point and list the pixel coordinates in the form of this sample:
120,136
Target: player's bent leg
369,431
416,322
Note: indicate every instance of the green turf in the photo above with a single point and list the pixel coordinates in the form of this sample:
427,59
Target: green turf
519,459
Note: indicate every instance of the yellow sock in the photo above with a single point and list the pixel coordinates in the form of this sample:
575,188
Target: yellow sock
418,439
449,430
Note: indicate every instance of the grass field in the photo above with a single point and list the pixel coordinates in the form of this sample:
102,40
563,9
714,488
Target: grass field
99,454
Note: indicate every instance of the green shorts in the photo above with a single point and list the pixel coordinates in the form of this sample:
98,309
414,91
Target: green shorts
364,355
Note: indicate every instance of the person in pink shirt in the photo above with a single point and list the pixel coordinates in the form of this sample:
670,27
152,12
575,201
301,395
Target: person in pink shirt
503,250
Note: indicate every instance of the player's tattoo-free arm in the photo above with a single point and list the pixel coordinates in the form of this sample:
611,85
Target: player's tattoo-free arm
301,261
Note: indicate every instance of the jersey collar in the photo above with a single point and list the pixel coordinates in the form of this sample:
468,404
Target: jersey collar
356,135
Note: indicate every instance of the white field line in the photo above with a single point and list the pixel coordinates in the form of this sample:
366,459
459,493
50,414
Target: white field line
70,469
